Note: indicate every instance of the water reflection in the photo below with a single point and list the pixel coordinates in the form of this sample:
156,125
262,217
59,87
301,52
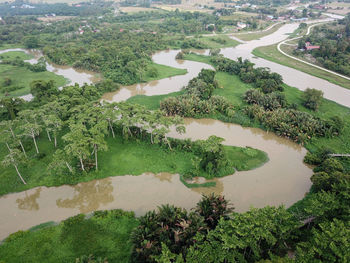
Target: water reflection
89,196
29,202
164,177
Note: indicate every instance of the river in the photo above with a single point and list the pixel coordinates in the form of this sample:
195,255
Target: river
71,74
283,180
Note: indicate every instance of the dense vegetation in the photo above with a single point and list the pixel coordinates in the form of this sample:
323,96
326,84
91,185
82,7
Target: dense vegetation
334,42
20,7
68,131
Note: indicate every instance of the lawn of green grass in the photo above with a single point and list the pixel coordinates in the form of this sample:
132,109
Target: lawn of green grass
8,46
219,41
101,236
164,72
15,55
271,53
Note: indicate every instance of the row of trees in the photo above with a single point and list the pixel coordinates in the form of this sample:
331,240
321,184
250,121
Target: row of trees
198,99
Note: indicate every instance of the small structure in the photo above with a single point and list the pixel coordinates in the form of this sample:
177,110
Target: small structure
308,46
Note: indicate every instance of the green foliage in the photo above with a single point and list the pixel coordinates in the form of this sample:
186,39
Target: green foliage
329,243
312,98
212,208
42,90
170,226
31,42
247,237
104,237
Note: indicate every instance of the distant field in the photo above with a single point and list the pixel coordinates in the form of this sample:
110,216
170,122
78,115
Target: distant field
344,8
55,18
47,1
135,9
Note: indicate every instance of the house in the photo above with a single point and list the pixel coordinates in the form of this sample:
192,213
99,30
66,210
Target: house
241,25
308,46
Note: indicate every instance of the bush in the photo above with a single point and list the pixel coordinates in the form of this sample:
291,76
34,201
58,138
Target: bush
212,208
171,226
312,98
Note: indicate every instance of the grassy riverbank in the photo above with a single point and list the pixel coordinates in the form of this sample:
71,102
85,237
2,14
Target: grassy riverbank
164,72
271,53
21,77
233,89
105,234
218,41
257,35
122,158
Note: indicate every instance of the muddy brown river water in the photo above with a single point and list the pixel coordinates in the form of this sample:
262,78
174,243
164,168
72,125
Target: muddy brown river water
284,179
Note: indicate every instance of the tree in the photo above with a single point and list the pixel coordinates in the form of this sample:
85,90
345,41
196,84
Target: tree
12,106
304,14
212,208
29,125
53,124
213,156
330,243
31,42
15,157
60,161
214,52
7,82
8,126
77,142
110,114
97,139
172,226
42,90
312,98
246,237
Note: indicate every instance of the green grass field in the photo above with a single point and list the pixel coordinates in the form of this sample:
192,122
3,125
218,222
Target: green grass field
21,77
218,41
271,53
100,236
15,55
164,72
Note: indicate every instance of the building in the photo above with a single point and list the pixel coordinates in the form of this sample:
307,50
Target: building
308,46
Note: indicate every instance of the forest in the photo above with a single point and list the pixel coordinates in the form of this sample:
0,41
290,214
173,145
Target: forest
23,8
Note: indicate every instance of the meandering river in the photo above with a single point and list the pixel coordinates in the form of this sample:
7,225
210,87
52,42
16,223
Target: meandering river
283,180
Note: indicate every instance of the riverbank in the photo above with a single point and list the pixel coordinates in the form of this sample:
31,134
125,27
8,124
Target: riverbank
233,89
282,53
105,233
248,36
20,77
271,53
134,158
62,75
